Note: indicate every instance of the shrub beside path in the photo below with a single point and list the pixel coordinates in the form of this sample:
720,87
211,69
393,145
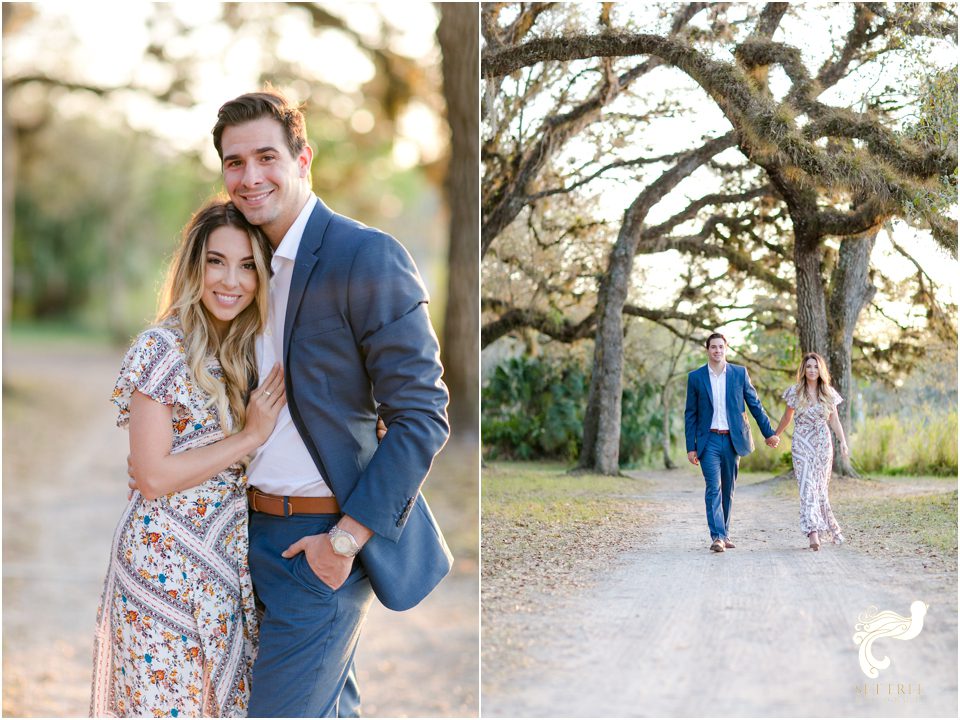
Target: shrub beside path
671,629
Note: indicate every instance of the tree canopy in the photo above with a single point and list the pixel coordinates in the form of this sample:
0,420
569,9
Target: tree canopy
769,167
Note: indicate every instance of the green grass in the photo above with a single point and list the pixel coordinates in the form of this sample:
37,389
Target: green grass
546,492
901,515
875,445
544,529
46,334
930,519
924,443
772,461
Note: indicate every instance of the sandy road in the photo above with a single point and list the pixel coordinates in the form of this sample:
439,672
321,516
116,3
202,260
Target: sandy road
63,491
762,630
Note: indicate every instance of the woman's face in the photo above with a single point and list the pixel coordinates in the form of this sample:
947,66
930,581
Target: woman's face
230,276
811,369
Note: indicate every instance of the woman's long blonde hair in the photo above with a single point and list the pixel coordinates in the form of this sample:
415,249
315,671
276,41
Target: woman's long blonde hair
181,303
824,391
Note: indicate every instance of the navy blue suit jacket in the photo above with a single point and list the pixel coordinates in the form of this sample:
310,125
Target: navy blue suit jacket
699,409
358,341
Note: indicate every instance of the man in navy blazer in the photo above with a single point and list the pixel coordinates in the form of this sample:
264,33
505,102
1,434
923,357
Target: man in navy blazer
335,517
717,434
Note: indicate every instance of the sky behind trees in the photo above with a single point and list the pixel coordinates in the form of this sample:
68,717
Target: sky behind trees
114,50
692,117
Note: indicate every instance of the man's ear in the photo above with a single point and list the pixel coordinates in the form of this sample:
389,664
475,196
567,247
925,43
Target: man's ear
304,160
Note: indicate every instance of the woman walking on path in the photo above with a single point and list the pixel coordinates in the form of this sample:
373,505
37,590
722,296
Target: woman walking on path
176,628
813,405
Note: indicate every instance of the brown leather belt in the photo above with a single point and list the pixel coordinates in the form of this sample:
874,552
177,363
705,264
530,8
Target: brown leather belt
720,432
285,506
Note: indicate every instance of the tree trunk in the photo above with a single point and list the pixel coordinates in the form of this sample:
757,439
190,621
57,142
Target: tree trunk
811,302
591,415
666,395
458,33
601,425
665,407
851,290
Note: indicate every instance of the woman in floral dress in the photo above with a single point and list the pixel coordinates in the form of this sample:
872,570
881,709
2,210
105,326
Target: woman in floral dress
176,628
812,403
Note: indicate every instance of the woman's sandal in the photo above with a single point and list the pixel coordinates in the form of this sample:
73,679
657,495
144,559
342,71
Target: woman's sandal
814,540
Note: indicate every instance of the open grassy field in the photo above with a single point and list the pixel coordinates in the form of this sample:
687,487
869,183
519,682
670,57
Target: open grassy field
542,527
902,515
543,530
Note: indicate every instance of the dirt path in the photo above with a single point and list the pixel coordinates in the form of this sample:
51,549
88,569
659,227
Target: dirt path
762,630
63,491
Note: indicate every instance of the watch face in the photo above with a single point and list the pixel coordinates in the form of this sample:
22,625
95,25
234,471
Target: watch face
342,545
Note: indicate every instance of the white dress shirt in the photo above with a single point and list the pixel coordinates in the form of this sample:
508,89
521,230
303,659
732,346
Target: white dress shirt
718,385
282,465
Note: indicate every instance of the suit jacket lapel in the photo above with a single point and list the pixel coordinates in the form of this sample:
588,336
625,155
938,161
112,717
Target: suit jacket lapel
303,267
705,381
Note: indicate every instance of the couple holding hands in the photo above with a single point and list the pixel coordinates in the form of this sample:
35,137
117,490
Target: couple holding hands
717,436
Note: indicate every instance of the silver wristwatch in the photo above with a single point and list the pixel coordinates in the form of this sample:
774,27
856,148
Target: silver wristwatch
343,542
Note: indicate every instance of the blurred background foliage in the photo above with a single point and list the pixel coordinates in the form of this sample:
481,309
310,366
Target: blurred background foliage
107,146
533,410
95,225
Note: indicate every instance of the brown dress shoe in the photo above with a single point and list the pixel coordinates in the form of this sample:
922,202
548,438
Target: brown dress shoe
728,544
717,546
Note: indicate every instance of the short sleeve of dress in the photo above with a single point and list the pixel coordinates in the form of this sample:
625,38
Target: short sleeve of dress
156,366
835,397
790,395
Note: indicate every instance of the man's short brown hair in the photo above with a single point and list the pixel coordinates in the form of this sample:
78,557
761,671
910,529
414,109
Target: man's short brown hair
714,336
254,106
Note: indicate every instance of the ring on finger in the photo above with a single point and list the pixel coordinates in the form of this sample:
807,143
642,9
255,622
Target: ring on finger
267,393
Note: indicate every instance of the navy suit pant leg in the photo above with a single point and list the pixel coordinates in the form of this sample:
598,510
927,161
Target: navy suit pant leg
308,632
720,465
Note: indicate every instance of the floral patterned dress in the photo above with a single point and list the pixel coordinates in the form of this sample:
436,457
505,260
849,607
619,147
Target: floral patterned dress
176,628
813,462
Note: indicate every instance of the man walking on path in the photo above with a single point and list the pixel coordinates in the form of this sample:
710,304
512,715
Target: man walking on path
717,433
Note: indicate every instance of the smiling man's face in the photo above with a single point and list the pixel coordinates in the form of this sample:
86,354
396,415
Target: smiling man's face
717,350
266,183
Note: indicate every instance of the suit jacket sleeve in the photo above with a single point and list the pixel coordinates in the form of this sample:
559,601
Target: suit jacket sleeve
756,407
387,313
690,415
